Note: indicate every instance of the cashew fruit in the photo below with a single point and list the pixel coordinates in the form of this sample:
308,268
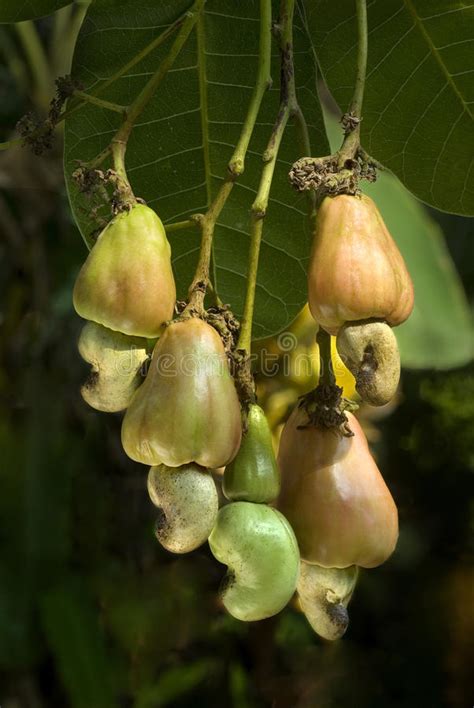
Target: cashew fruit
370,352
259,547
116,360
187,410
334,496
253,474
188,502
324,594
126,283
356,271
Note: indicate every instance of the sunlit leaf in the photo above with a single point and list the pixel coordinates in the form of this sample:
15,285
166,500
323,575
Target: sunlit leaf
419,100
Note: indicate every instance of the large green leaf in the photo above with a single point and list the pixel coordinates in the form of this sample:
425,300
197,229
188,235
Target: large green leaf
167,153
419,99
439,332
19,10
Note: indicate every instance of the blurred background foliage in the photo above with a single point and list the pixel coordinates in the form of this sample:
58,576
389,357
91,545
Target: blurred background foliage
93,613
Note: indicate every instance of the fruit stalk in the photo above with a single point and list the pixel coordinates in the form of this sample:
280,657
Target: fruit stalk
351,141
288,105
200,281
264,81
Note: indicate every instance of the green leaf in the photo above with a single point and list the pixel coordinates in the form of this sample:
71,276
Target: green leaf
19,10
73,634
167,153
419,100
439,332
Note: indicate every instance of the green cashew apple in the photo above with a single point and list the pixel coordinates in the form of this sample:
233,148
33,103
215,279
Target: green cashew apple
324,594
253,474
259,547
116,362
334,496
356,271
187,410
188,501
126,283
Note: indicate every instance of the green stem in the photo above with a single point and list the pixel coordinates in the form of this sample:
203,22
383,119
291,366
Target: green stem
197,289
37,60
178,225
264,81
305,149
326,371
118,149
351,141
288,105
362,48
10,143
90,98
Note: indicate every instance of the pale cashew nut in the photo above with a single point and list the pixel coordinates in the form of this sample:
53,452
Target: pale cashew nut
324,594
370,352
188,503
116,360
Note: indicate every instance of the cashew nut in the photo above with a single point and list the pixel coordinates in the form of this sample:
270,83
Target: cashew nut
259,547
370,351
188,503
324,594
115,360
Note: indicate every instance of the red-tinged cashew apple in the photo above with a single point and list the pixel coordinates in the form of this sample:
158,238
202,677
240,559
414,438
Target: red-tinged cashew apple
187,410
356,271
334,496
126,283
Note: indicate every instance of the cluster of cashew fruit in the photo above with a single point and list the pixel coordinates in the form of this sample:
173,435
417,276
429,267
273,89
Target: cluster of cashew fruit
332,492
183,419
332,510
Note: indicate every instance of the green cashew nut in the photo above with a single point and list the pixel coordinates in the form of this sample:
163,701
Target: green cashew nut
116,360
370,351
324,594
253,475
259,547
188,502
